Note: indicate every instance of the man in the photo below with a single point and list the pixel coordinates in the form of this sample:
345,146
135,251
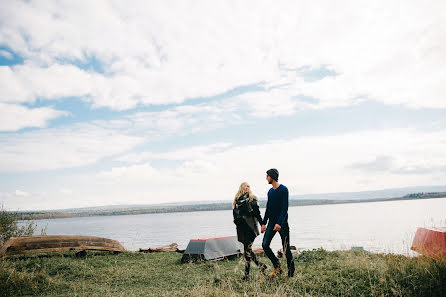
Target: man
276,215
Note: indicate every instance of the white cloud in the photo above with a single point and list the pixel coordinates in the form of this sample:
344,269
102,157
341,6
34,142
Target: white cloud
6,54
15,117
186,119
394,55
150,57
130,174
21,193
20,200
25,83
178,155
66,191
154,54
307,165
58,148
358,161
264,104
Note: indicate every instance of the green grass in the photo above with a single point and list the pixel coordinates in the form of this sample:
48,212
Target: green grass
318,273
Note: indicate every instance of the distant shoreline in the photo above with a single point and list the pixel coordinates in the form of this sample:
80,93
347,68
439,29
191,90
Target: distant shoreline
51,214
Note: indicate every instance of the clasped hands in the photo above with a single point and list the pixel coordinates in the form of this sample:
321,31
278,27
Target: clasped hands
277,227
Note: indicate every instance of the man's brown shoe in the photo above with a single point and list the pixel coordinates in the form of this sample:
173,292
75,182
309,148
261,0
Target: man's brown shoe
275,272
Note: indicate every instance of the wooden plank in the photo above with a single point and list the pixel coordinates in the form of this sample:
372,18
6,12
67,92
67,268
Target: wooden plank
173,247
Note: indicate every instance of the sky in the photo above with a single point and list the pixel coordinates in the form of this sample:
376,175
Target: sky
145,102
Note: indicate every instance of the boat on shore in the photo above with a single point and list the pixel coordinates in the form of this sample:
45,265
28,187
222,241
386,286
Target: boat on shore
57,243
430,242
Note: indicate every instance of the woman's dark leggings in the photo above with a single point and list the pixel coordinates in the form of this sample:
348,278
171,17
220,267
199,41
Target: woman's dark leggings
249,255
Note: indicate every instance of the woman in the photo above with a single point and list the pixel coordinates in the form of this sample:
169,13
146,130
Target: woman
247,217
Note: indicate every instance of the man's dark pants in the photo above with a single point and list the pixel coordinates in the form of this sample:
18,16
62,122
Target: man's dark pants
285,236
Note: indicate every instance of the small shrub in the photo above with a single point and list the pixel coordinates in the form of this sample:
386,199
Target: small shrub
10,227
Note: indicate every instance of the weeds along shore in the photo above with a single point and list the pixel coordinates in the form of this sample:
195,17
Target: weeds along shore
318,273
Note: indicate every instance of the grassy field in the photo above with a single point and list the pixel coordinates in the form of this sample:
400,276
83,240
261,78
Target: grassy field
318,273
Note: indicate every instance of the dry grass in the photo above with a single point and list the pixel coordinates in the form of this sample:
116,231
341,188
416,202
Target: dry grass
318,273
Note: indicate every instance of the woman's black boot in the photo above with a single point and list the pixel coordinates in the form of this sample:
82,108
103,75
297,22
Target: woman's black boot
247,266
262,268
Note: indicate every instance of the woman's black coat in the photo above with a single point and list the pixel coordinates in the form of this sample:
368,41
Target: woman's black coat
246,217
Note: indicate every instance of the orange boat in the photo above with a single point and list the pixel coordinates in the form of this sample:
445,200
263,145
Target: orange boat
430,242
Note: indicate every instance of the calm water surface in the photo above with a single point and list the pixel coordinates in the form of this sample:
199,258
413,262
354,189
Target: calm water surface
377,226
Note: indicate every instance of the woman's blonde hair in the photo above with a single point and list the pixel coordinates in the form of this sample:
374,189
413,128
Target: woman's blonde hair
241,191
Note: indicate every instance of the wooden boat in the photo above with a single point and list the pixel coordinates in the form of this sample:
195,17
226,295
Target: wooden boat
430,242
57,243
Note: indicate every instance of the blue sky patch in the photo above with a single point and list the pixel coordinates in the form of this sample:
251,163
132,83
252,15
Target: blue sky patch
8,57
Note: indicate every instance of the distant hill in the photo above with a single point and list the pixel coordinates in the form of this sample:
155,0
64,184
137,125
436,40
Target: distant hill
316,199
385,193
364,195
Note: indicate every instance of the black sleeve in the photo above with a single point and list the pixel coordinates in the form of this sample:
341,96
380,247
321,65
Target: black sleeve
256,210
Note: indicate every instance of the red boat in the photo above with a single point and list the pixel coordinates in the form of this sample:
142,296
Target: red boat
430,242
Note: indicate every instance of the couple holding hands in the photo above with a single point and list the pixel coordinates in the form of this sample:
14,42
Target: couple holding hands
247,217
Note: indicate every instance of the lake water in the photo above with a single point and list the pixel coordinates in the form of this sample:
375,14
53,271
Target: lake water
378,226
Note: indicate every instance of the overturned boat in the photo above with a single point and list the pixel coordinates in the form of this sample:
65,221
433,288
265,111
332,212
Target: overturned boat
57,243
430,242
212,248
